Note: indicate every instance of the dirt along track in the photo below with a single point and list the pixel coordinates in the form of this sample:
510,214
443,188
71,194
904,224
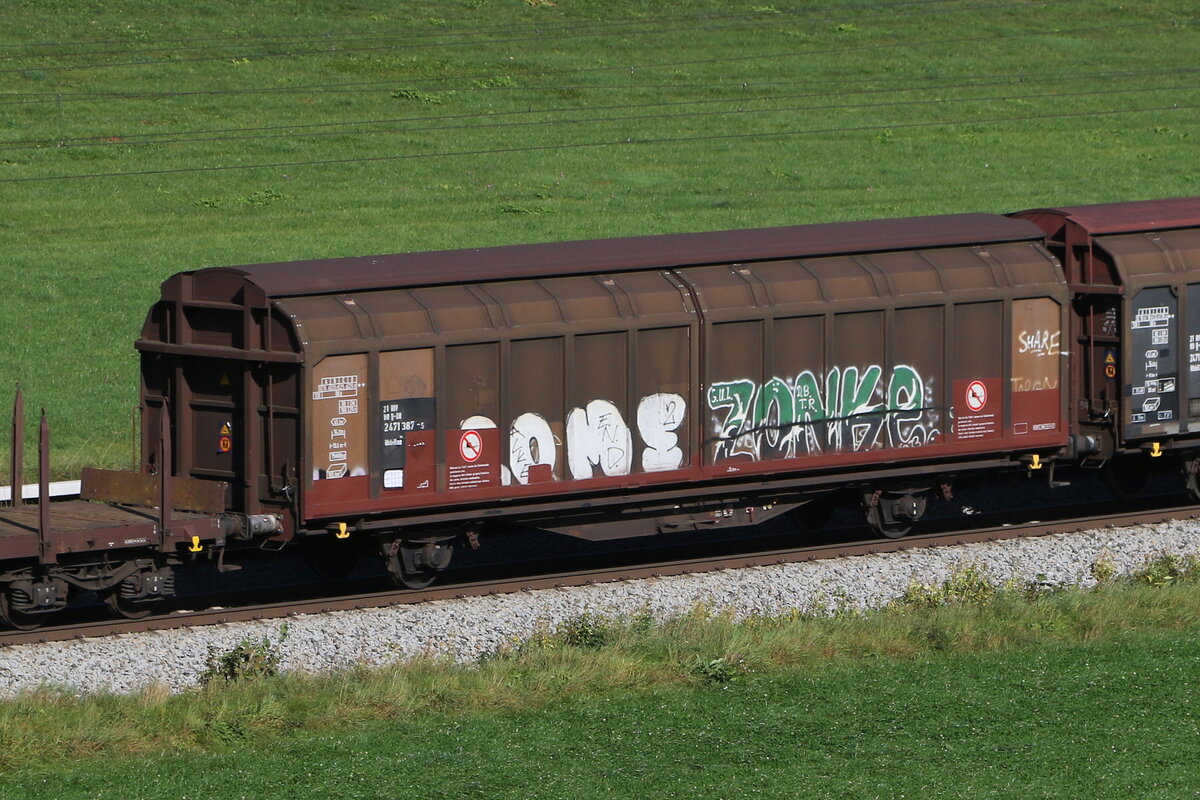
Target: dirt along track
565,577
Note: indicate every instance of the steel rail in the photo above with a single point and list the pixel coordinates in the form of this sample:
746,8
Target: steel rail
583,577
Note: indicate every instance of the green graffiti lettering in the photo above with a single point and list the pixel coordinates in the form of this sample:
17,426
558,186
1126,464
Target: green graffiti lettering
775,413
849,409
906,392
736,396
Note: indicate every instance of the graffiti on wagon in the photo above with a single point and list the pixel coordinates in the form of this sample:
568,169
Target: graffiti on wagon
598,440
850,408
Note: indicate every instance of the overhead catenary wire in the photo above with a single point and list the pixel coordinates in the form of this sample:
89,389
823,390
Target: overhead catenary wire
332,47
773,16
784,54
109,138
543,24
167,45
270,132
628,141
631,69
746,101
326,48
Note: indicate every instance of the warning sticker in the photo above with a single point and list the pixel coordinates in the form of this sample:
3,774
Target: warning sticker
977,411
338,435
977,395
470,446
473,459
1152,396
225,438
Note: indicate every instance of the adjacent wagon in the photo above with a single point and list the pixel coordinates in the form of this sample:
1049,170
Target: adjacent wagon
1133,270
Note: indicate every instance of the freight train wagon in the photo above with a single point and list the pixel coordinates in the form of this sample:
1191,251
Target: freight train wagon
1133,270
611,388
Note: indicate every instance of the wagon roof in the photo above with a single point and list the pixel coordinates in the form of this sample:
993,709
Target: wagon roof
338,275
1113,218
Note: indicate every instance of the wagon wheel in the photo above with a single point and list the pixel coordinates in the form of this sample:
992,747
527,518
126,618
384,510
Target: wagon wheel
1191,479
415,565
814,515
128,609
331,558
1127,476
891,530
18,620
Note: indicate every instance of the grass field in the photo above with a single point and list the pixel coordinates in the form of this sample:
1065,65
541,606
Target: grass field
1086,721
140,138
961,692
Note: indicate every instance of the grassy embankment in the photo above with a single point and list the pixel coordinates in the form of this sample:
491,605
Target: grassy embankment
475,123
432,125
966,689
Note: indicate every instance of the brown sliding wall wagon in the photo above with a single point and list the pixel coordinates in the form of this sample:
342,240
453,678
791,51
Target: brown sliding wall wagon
613,388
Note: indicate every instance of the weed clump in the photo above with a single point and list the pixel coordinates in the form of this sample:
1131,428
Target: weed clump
257,199
1166,569
724,669
968,585
1104,569
421,96
248,660
586,631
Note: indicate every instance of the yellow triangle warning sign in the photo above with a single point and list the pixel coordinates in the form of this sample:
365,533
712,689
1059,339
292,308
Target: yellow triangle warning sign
224,379
226,430
1110,359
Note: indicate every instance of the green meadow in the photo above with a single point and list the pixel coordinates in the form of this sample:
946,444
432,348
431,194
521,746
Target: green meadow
964,689
139,139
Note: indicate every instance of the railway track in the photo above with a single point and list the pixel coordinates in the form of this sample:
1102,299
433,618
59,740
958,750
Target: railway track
581,577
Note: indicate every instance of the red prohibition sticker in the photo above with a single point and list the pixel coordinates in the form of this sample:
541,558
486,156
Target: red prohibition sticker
976,395
470,446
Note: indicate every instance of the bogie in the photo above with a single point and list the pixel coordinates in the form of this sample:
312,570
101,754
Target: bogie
416,563
892,513
141,592
28,603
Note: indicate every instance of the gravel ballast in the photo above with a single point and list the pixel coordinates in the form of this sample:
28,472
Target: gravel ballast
468,628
